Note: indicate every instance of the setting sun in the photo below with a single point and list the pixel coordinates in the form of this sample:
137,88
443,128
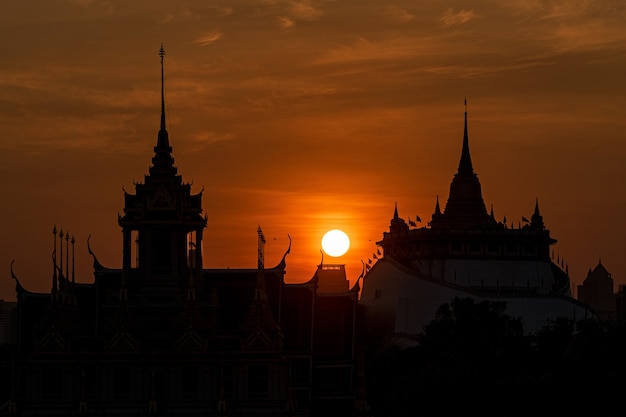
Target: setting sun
335,243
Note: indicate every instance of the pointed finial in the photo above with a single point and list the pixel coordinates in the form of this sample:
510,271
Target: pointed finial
465,164
162,54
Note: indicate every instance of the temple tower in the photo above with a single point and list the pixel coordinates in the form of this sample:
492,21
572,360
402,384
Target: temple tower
163,219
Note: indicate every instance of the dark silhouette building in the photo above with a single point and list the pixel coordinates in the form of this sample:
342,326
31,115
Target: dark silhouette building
597,292
462,252
163,336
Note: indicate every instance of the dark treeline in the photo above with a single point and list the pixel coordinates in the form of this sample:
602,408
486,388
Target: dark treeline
474,359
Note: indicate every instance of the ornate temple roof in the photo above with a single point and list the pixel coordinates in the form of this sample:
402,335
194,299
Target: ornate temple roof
465,208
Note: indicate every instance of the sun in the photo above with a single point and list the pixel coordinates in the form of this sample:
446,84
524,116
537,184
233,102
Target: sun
335,243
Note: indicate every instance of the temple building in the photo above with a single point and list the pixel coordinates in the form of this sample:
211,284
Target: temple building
465,252
164,336
597,292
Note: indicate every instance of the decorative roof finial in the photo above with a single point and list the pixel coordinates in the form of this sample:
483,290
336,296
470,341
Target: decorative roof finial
162,54
465,165
163,161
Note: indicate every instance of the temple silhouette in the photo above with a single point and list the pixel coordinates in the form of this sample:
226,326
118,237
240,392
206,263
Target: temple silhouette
463,251
164,336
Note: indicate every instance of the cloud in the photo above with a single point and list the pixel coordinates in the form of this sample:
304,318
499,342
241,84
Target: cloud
574,26
286,22
452,18
556,9
204,137
589,36
208,38
222,10
304,10
399,15
180,16
364,49
101,132
488,69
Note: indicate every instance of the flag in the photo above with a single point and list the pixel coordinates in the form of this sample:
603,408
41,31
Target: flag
417,218
524,219
412,223
367,267
378,251
375,257
369,261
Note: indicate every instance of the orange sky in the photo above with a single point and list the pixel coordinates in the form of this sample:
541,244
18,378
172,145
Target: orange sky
304,116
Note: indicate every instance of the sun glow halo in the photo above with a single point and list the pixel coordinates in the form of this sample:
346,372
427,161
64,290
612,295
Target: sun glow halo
335,243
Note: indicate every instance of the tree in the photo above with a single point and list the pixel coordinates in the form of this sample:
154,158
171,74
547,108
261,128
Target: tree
470,352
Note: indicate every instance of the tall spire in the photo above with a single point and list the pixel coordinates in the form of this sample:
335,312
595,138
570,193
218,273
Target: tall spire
465,164
465,208
162,160
163,140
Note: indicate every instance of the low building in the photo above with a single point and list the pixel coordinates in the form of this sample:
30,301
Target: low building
7,322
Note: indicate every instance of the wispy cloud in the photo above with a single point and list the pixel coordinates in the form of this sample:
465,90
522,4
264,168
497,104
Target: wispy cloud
304,10
108,133
208,38
180,16
285,22
566,26
82,3
222,10
364,49
555,9
475,71
399,14
205,137
453,18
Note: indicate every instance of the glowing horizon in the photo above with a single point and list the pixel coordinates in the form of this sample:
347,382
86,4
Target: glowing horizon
302,115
